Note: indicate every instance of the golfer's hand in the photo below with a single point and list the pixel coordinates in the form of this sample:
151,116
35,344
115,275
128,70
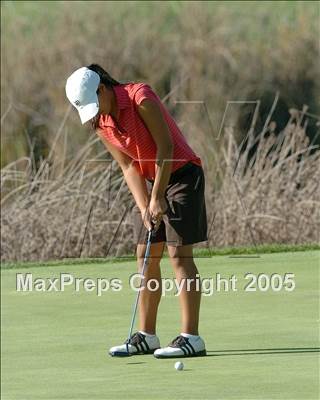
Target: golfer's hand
157,207
146,218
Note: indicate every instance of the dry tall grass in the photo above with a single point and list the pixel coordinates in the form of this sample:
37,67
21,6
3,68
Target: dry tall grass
81,207
272,196
56,203
195,50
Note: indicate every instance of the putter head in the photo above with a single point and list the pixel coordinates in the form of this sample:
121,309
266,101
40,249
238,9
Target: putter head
120,354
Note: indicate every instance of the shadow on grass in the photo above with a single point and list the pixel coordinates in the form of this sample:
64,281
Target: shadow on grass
244,352
135,363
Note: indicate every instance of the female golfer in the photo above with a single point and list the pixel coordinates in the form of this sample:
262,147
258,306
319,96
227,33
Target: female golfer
166,180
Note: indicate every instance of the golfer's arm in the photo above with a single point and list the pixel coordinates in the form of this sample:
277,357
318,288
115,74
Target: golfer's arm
136,182
151,114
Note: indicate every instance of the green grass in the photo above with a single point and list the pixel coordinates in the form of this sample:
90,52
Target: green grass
198,253
261,345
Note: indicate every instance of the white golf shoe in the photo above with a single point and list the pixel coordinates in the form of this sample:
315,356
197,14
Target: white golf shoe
183,346
138,344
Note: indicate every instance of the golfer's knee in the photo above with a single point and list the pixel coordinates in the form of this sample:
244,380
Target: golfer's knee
154,257
153,263
183,262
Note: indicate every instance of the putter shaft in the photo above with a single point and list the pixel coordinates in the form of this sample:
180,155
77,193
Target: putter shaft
145,262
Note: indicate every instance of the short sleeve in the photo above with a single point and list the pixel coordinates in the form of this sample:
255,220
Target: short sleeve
145,92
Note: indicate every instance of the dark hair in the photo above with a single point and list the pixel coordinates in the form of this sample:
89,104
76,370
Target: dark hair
107,80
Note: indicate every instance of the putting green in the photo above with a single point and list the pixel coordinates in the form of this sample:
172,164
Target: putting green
261,345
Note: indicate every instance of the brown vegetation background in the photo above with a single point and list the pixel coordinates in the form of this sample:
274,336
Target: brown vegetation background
260,158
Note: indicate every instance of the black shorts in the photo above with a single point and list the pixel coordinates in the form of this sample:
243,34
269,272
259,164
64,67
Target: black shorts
186,220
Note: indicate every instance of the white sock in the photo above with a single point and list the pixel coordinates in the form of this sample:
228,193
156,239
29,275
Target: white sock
187,335
147,334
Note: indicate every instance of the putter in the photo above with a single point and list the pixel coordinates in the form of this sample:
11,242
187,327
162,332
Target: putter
135,306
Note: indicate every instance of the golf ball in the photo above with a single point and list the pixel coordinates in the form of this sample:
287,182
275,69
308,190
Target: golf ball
179,366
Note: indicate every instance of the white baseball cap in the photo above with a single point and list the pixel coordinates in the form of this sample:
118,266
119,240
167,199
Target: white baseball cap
81,90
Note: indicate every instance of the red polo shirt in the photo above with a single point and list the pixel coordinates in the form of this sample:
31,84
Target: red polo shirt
130,135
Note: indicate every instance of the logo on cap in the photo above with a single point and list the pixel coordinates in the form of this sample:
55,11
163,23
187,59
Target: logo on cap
77,103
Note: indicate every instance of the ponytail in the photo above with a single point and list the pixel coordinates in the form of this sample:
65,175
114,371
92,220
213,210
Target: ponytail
105,78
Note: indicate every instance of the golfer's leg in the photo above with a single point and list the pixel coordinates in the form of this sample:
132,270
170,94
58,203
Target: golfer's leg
149,300
181,258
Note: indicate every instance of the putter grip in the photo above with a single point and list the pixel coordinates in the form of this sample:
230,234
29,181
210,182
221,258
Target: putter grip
153,232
